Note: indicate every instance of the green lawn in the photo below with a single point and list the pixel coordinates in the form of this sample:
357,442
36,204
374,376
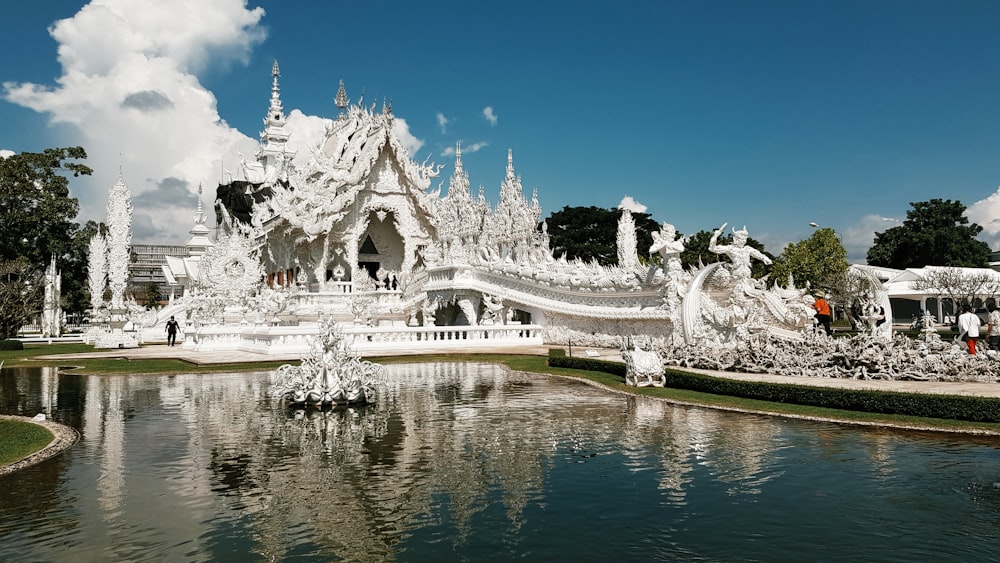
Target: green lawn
19,439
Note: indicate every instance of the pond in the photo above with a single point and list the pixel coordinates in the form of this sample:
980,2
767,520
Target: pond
470,462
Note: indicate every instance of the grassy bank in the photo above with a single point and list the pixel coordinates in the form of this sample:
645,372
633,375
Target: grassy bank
21,439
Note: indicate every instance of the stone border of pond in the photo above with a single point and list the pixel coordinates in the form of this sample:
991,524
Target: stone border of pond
62,438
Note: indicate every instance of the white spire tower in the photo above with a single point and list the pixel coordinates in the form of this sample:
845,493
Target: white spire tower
273,152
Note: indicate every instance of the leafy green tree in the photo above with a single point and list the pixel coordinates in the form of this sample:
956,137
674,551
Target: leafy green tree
150,295
592,233
935,233
38,214
819,261
75,286
21,295
696,252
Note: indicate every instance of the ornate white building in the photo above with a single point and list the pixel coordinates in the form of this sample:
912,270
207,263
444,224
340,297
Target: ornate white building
357,235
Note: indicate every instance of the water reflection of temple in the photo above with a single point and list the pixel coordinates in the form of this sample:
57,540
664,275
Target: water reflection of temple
450,439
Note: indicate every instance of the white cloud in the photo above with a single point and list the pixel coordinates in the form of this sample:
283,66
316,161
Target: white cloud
402,132
4,153
307,132
632,205
489,115
859,238
129,89
471,148
443,122
986,213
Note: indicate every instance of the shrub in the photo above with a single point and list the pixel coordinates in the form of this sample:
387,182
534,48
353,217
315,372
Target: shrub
11,345
954,407
558,358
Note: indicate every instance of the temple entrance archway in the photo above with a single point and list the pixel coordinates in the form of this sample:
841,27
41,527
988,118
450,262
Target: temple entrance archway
381,245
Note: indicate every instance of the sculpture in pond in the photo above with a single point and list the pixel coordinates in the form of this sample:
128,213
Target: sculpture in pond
330,375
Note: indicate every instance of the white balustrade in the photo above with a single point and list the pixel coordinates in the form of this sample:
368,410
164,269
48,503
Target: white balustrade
365,339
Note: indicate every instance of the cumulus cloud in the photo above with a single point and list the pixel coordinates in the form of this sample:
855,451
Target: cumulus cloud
129,89
489,115
4,153
402,131
986,213
443,122
632,205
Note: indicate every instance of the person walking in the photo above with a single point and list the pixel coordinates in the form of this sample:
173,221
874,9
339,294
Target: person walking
968,328
823,314
172,327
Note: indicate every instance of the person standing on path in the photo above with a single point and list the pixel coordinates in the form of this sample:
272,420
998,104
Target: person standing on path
968,328
172,327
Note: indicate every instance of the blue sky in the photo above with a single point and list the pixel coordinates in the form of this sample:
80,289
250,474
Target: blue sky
769,114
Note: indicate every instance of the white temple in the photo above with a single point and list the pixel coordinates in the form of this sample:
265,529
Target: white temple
358,236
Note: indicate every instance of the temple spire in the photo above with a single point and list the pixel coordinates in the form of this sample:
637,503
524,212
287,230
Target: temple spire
341,100
273,153
199,241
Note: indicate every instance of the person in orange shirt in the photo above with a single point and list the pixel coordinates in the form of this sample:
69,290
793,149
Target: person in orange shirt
823,314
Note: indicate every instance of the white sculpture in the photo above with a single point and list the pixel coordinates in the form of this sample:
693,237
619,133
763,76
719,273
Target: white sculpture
738,252
118,245
119,241
643,368
52,308
330,375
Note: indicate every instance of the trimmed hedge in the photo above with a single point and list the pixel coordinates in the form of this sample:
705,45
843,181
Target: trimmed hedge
11,345
951,407
559,359
954,407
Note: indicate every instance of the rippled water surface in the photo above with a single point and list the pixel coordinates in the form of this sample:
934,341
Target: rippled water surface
470,462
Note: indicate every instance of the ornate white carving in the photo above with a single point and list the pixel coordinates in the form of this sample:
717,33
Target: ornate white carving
330,374
97,279
52,309
232,267
643,368
119,240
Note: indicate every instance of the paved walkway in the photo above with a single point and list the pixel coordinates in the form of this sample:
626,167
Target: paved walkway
163,351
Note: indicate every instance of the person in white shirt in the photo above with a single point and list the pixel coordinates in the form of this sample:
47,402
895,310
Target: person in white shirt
993,328
968,328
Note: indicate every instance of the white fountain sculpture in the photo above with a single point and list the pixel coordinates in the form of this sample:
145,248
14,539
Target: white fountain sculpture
330,375
643,367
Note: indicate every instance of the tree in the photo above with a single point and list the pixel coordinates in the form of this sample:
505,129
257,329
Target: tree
149,295
963,287
21,295
38,214
819,261
935,233
696,252
75,287
591,233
